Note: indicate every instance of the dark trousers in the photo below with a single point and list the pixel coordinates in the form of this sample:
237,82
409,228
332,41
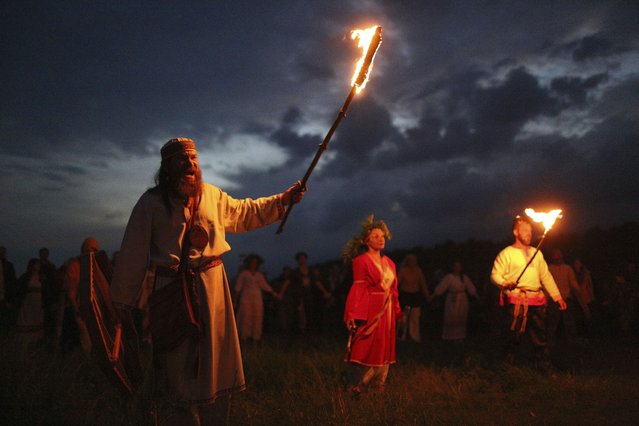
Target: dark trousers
535,331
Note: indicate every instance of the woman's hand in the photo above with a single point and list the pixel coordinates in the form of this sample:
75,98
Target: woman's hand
350,324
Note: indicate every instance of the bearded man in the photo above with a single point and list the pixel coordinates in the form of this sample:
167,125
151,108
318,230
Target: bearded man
199,375
526,309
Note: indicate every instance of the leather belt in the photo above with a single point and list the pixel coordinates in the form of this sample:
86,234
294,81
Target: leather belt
216,261
170,272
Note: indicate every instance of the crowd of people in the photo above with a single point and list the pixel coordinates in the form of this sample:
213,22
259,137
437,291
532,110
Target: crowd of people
448,303
40,304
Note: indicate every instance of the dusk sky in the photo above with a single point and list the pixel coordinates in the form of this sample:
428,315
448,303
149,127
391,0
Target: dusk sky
474,111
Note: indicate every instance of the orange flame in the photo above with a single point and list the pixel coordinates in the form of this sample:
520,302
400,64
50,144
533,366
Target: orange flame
366,38
548,219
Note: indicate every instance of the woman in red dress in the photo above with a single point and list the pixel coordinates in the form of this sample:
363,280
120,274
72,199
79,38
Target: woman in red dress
372,308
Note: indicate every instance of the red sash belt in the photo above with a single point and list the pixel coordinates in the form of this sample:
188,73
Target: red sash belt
522,300
534,299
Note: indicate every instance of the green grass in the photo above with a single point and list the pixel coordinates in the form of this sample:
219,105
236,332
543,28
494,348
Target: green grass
298,382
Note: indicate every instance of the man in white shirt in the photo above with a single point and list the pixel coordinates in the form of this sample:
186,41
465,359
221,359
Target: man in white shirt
523,295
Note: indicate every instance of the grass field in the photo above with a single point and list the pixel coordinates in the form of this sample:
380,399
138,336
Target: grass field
297,382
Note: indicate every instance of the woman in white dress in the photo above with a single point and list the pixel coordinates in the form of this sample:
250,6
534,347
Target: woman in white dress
457,286
248,292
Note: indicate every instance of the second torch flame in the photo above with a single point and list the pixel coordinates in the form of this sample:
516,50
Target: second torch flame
548,219
369,41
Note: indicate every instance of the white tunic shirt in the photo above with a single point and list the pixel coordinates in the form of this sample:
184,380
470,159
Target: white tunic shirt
511,261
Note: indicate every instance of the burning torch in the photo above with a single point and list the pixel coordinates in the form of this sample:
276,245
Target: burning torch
369,41
548,219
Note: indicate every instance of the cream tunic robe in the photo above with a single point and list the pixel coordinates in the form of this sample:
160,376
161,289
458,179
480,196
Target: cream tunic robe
193,373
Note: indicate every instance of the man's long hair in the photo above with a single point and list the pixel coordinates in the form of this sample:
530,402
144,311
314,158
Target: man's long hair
162,181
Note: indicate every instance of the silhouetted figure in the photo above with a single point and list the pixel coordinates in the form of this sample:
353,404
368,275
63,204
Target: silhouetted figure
625,292
413,292
8,293
563,322
286,309
319,297
30,322
51,290
301,291
586,296
74,329
457,287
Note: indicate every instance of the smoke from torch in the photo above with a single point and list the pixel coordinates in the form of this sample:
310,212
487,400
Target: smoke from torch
369,41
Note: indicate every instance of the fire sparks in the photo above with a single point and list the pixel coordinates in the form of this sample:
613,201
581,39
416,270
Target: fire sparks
548,219
369,41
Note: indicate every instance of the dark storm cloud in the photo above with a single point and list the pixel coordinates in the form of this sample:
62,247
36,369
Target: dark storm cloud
73,170
476,121
356,202
366,126
591,47
361,139
423,142
575,89
500,111
589,176
56,177
618,34
59,189
313,68
115,215
126,74
62,176
286,136
363,131
609,172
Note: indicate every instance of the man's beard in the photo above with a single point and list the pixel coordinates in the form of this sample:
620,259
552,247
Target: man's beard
525,241
183,187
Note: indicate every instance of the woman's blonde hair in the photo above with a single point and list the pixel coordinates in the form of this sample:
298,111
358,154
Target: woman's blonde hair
357,244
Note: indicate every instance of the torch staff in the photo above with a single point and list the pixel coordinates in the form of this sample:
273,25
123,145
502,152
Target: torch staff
357,85
320,150
349,344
